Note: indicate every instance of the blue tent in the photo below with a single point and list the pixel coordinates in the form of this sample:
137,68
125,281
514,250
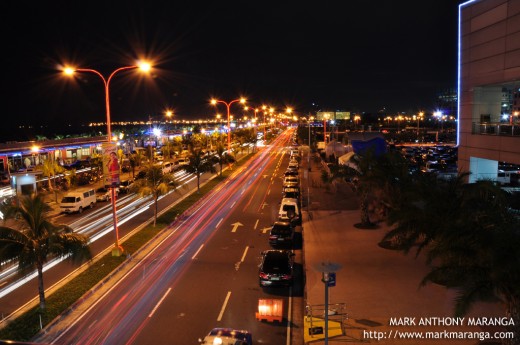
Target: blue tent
378,145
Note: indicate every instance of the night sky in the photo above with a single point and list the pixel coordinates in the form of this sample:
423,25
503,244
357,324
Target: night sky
356,55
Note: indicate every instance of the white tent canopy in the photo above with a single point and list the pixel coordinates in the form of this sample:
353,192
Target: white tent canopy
346,159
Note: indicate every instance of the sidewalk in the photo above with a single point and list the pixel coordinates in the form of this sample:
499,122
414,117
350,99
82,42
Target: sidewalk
373,284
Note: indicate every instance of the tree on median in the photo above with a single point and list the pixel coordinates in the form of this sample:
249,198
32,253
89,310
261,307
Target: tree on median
39,240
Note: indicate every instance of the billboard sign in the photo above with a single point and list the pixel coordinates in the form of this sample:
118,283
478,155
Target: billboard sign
111,169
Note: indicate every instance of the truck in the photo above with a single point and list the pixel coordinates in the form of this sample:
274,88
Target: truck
78,201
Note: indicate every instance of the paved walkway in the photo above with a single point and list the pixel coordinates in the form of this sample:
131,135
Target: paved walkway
373,284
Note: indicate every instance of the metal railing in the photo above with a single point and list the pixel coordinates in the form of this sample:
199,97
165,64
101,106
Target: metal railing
501,129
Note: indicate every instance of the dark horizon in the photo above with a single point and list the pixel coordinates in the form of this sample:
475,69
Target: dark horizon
357,56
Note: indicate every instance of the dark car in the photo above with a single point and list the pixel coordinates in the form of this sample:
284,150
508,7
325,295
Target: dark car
276,268
291,172
79,164
140,175
125,185
291,192
281,234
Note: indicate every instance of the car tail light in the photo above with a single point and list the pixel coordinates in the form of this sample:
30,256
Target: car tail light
286,277
264,275
273,237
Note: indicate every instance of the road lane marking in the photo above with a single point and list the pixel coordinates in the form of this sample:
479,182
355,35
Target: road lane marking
224,306
235,226
244,255
220,221
197,252
233,204
160,301
256,224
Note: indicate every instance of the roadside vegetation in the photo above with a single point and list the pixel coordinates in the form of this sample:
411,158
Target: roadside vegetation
466,232
26,326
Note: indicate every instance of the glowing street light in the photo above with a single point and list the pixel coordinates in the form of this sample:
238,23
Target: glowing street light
254,109
228,106
419,118
356,120
325,118
143,66
169,114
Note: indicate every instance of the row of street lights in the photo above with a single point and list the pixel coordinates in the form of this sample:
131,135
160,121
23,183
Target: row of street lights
145,67
117,250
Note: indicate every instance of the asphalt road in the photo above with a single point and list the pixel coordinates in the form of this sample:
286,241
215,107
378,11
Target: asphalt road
203,273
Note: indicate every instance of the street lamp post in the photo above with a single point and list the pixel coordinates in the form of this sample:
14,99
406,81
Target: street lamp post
328,271
117,250
309,125
228,106
419,118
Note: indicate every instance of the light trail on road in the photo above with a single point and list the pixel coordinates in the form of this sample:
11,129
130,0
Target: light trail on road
121,313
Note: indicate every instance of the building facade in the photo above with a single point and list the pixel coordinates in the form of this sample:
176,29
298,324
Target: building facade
488,87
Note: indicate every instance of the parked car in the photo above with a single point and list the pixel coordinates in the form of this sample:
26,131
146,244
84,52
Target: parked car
281,234
104,194
227,336
5,179
289,211
140,175
291,192
124,185
291,172
276,268
183,161
290,186
290,179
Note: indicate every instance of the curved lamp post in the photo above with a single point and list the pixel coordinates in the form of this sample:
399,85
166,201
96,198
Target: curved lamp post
228,106
117,250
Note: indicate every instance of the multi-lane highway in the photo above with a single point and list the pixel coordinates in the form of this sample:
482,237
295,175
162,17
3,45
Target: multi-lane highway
17,291
203,273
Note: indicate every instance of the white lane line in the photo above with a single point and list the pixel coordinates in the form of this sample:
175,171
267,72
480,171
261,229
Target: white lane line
223,306
159,303
256,224
220,221
197,252
244,255
233,204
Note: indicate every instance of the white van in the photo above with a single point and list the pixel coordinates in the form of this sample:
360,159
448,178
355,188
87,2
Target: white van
77,201
289,211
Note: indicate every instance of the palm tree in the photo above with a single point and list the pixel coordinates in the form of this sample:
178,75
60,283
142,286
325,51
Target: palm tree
468,234
39,240
478,252
368,177
134,162
199,164
155,183
49,169
223,157
139,156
